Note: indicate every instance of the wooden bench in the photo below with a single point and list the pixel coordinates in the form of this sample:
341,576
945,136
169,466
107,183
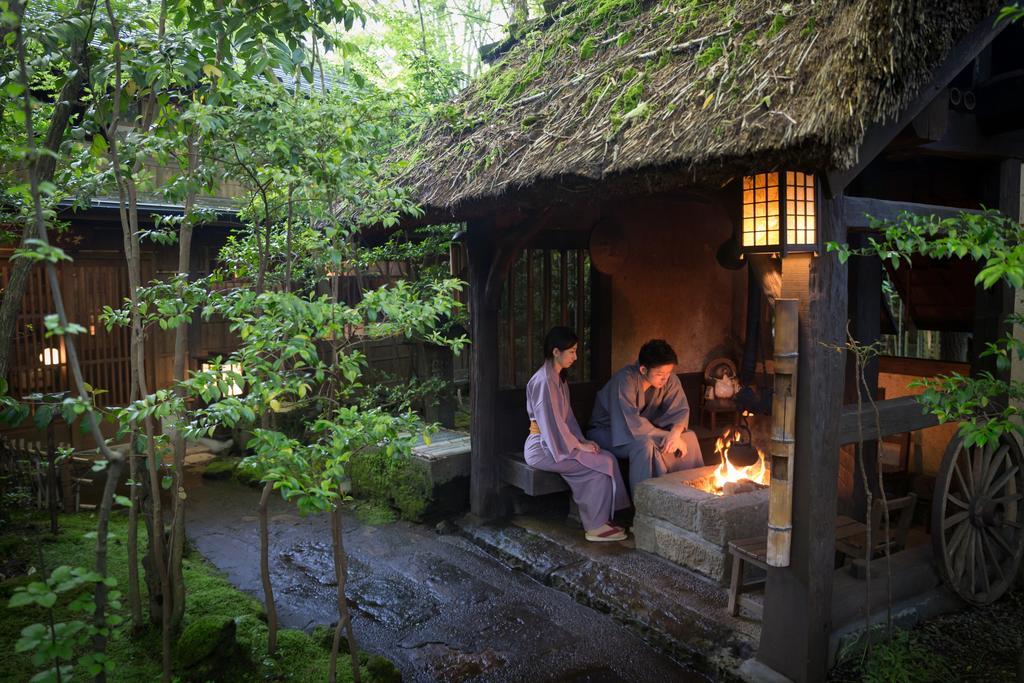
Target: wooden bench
754,551
533,482
530,480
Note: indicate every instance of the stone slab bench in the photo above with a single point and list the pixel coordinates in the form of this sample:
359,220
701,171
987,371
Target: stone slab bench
446,457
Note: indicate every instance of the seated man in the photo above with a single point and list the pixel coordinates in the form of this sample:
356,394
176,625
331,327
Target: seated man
642,415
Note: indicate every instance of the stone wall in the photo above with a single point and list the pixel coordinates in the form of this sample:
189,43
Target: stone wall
693,528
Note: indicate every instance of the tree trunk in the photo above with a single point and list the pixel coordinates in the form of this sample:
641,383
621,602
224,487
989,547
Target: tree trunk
74,366
134,599
268,588
129,214
344,616
99,641
181,352
43,170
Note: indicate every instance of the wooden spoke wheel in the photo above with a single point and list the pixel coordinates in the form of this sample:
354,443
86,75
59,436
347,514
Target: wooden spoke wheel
977,516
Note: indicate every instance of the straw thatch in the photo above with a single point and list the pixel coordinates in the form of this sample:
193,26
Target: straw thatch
697,89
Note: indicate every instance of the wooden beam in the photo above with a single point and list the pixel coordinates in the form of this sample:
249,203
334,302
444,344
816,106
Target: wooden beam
484,463
964,139
921,367
881,133
895,416
865,308
798,598
993,305
858,209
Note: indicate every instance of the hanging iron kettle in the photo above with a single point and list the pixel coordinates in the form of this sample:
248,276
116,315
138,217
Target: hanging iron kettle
741,453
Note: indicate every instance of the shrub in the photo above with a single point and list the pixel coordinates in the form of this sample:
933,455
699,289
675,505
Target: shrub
221,468
904,660
396,480
206,637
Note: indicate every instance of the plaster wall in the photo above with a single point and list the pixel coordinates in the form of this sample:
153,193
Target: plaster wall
671,286
927,446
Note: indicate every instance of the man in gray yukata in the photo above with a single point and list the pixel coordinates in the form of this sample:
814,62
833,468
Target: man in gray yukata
642,415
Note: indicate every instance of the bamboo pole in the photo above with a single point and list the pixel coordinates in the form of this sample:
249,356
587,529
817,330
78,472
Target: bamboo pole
780,502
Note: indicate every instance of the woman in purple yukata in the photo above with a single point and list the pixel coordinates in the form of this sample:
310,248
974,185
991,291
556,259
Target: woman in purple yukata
556,443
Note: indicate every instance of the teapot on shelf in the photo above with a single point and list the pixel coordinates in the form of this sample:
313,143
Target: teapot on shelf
726,386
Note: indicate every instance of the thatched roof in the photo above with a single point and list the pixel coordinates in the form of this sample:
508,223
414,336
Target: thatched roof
620,88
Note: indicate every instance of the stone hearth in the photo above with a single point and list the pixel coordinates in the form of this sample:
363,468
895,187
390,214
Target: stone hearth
693,527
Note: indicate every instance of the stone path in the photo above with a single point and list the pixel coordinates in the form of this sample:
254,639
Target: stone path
434,603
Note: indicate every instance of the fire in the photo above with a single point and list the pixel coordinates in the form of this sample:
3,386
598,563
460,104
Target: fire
727,472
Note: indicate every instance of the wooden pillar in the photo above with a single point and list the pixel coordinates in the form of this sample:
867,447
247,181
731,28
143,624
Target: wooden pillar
798,598
865,311
483,373
991,306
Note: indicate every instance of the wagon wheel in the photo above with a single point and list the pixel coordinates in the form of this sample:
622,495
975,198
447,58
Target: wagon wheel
977,515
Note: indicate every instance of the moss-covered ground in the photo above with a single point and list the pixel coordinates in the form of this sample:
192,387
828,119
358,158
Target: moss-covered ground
28,546
976,644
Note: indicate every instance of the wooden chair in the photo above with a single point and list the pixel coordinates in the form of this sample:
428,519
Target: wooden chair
895,455
753,551
901,512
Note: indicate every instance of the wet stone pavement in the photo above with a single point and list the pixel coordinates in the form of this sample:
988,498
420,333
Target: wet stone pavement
433,603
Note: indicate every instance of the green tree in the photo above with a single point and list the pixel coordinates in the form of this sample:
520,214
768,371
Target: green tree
987,405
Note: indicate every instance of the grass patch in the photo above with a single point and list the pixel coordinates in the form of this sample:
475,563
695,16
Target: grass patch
221,468
211,603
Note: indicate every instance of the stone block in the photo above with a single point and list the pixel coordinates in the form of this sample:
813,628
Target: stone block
680,546
446,457
669,498
721,519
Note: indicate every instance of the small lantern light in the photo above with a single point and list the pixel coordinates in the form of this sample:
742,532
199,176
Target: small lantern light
779,213
52,356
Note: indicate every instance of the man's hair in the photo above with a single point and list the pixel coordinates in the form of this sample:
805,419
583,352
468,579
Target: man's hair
656,353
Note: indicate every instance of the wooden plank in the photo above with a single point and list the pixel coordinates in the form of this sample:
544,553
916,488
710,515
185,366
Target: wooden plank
895,416
798,598
880,134
921,367
858,209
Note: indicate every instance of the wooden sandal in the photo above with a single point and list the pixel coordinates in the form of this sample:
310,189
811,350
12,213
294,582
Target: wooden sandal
611,534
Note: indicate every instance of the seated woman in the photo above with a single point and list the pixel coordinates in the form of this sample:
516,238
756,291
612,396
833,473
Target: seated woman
556,444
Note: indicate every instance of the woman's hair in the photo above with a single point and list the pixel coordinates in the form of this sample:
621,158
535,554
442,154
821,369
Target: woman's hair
656,353
561,338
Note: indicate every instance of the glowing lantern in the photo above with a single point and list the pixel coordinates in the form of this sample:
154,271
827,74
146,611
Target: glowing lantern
779,213
51,356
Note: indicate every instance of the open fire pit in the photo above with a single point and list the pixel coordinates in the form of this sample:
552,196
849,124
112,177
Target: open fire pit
689,517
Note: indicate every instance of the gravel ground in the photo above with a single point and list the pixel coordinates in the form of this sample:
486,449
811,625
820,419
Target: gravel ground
976,644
